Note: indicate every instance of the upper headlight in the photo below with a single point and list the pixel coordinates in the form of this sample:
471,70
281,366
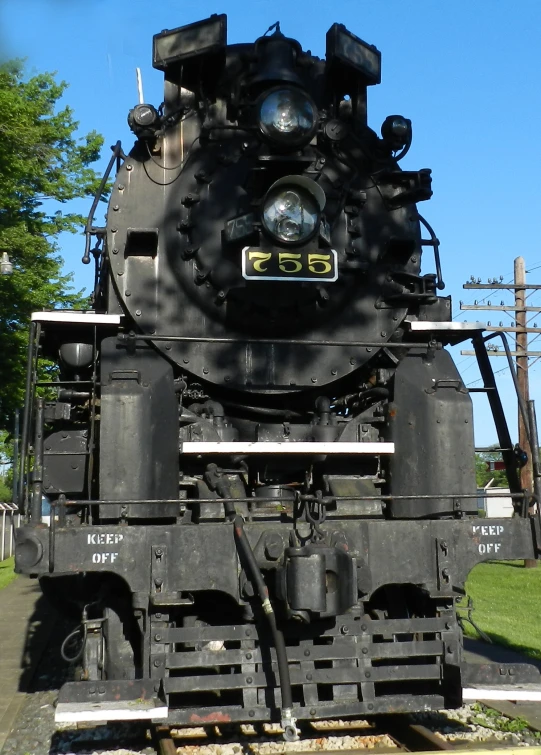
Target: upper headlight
287,117
291,210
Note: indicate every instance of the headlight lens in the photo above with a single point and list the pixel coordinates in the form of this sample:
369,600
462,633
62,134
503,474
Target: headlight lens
287,116
290,215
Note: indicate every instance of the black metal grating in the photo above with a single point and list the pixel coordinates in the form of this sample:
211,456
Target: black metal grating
345,667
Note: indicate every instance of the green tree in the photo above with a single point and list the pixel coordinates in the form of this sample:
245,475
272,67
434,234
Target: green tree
42,163
5,490
484,475
6,472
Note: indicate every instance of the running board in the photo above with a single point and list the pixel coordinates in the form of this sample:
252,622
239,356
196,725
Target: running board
118,710
284,447
525,693
92,702
501,681
74,317
129,709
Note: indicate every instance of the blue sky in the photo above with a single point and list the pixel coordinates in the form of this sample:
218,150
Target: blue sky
466,73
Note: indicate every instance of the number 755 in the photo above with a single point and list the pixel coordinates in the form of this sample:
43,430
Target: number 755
288,262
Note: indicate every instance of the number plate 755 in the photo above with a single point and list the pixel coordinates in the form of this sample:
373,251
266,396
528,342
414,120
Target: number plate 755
258,264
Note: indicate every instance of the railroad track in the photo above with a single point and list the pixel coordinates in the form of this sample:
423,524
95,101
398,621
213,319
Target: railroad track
392,734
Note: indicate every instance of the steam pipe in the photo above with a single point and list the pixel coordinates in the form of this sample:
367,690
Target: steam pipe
26,416
117,154
16,439
534,448
37,472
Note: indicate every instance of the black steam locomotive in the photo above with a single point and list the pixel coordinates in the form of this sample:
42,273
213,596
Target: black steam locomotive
258,452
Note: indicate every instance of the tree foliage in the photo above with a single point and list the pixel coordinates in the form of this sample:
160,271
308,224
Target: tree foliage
42,163
6,469
484,475
5,490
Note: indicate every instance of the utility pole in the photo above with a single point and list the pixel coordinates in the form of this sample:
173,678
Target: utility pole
526,473
521,330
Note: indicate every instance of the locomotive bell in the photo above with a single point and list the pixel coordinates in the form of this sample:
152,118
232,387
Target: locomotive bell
76,355
276,60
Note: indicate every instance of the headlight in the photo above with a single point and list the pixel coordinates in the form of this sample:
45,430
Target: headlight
292,209
287,117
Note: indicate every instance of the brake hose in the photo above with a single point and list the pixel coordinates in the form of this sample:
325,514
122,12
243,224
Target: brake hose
288,723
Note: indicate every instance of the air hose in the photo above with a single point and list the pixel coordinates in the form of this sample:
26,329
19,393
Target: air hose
80,631
288,723
216,481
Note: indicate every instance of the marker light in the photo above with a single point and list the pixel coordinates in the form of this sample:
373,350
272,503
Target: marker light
144,120
396,130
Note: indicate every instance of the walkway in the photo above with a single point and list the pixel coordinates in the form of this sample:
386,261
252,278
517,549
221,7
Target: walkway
26,620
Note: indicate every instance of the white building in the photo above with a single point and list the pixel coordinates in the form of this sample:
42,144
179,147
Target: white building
494,502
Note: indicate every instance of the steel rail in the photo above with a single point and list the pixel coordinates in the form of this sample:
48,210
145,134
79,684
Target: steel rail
407,736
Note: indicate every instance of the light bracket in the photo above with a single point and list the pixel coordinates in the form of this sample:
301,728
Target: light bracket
350,55
188,46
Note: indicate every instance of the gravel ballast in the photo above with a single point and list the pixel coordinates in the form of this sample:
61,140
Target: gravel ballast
35,734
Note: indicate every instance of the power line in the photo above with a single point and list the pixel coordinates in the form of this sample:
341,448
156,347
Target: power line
480,379
490,293
522,353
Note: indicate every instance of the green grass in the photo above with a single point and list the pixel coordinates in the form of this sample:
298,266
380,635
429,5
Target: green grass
7,574
492,719
506,600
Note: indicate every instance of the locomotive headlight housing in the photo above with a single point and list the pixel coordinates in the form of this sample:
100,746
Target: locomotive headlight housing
291,210
287,117
144,121
144,115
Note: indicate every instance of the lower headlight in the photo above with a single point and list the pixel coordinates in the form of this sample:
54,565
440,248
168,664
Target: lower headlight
291,210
